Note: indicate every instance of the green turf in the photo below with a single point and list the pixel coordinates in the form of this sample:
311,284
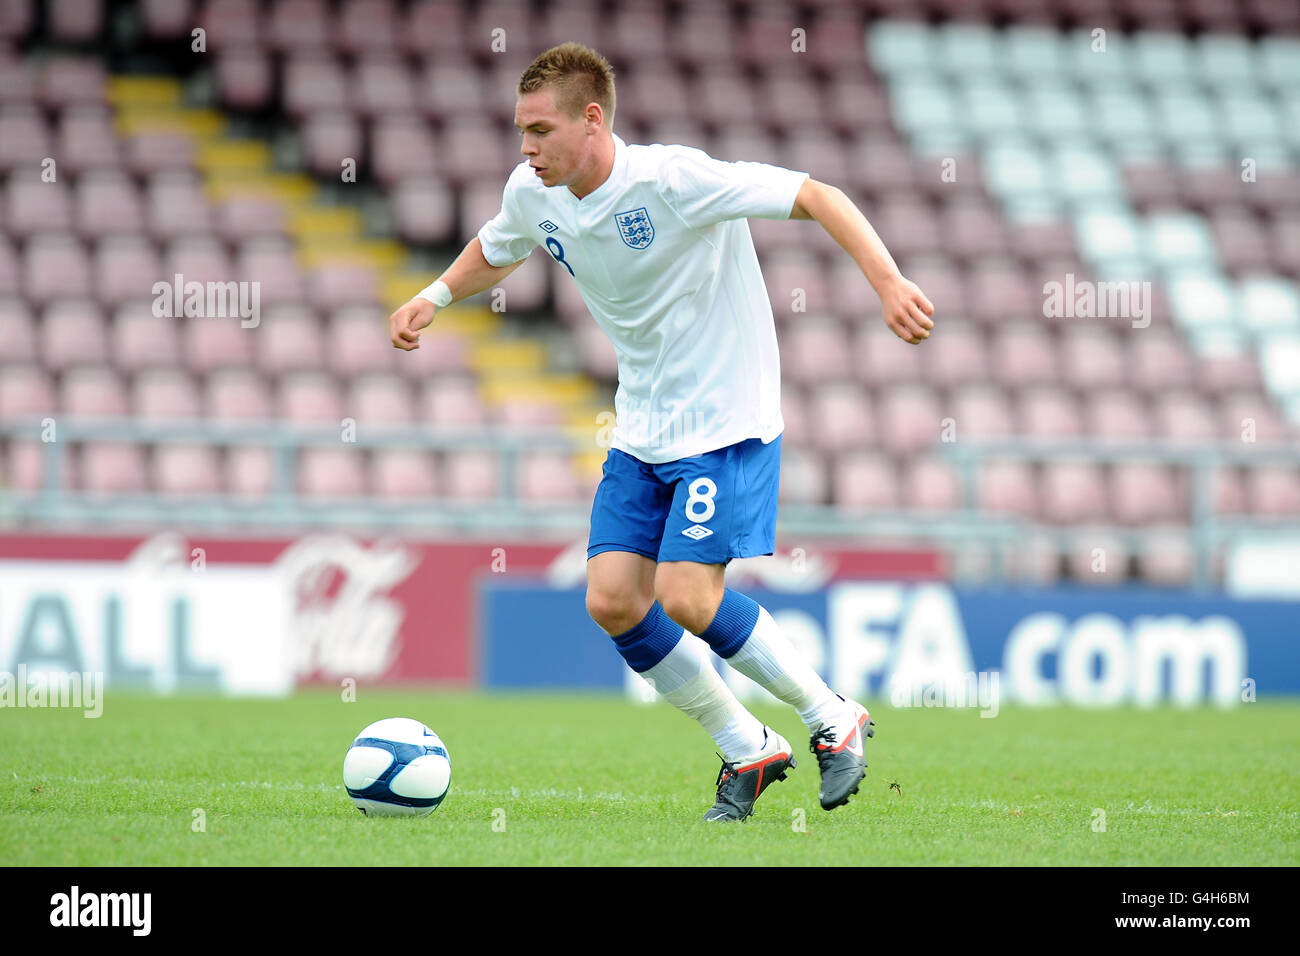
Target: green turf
595,780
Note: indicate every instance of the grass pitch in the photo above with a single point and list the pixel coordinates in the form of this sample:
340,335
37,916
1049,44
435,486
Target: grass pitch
540,779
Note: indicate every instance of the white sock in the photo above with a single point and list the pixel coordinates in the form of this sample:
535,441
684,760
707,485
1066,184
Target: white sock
770,661
687,680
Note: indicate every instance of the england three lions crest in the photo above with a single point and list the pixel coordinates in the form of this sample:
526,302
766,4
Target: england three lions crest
635,227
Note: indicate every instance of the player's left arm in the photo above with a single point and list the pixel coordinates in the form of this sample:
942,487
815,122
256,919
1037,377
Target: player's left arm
907,311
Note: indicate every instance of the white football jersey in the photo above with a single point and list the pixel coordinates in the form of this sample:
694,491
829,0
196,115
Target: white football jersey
664,260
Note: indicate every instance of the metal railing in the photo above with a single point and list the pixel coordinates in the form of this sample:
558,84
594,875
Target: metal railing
56,504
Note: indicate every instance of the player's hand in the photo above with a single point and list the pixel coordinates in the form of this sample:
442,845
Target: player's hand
906,309
405,324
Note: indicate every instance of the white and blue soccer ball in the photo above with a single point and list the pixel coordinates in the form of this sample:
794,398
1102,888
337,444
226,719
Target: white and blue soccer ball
397,767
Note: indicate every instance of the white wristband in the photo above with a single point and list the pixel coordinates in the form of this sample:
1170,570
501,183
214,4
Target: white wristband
437,293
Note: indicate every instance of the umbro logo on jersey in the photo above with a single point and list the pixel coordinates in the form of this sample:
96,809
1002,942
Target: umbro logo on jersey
697,531
548,225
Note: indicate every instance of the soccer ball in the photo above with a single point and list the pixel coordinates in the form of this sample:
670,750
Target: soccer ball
397,767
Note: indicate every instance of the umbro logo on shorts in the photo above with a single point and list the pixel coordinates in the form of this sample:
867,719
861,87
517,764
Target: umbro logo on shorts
697,531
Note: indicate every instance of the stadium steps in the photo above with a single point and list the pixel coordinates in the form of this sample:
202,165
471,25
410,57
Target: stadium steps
509,370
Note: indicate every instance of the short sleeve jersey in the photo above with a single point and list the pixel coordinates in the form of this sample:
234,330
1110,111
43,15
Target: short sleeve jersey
662,256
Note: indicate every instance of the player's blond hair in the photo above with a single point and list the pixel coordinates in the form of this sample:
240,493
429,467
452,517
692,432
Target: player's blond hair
578,74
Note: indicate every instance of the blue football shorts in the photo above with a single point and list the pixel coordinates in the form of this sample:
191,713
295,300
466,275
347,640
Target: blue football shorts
708,508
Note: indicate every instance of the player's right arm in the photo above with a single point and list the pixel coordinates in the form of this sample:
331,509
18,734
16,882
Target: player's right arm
469,275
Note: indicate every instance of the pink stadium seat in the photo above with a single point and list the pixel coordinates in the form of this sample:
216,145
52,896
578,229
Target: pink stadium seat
1220,374
1024,354
148,152
956,357
93,392
142,340
1092,357
367,26
471,476
1008,487
310,398
450,86
1166,557
703,37
439,353
820,154
332,472
249,472
840,419
655,94
75,21
1097,558
908,226
236,394
356,342
402,147
1151,185
546,476
471,151
37,207
10,269
1273,491
883,360
725,97
177,206
804,477
979,413
1286,244
971,228
24,466
73,333
1158,362
299,25
166,19
400,473
1245,413
999,292
246,78
1117,414
434,27
182,470
1040,241
930,484
1072,492
835,39
113,468
341,284
1184,416
909,419
596,352
330,138
1240,240
198,259
165,394
380,402
289,339
212,344
87,141
313,83
17,332
452,402
25,392
526,415
1049,412
866,481
815,349
273,264
1143,493
126,268
383,85
57,267
424,208
242,217
634,31
232,24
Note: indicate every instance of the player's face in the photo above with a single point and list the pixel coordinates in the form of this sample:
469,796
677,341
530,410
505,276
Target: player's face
557,146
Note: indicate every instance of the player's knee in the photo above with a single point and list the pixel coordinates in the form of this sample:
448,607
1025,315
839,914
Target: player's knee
614,611
692,610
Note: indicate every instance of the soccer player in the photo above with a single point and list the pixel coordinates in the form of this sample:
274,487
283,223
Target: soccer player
657,240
